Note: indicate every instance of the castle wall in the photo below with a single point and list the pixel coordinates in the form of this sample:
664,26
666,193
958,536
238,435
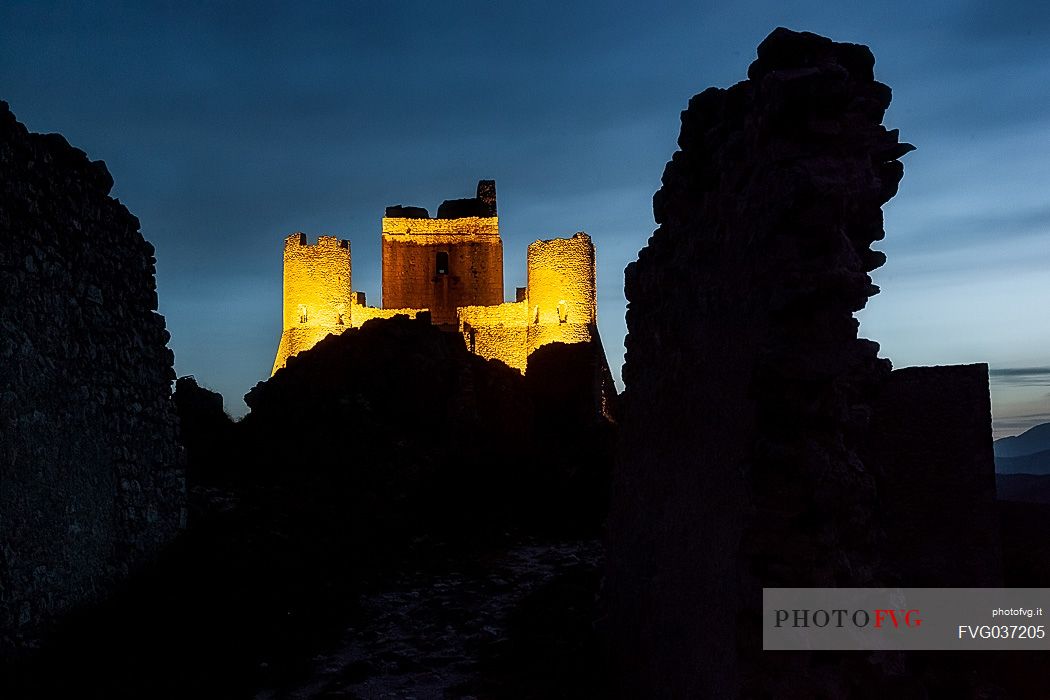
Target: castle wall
411,278
296,340
91,476
359,314
497,332
931,437
317,293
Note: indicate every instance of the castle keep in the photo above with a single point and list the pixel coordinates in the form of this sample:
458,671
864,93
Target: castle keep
444,263
450,266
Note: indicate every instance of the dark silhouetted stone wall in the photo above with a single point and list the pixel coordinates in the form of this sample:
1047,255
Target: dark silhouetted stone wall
931,443
748,392
205,430
90,469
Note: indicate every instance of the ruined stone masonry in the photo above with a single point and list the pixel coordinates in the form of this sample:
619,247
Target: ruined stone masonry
451,267
91,480
748,456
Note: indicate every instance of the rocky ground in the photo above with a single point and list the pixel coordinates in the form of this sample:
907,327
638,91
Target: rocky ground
454,629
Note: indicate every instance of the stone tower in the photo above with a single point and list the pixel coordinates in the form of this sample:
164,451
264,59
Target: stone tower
317,293
562,293
443,263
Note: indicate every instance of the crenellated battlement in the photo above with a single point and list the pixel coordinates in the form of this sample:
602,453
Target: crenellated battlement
299,240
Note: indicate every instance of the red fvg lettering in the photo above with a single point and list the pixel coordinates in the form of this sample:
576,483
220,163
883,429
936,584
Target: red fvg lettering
910,618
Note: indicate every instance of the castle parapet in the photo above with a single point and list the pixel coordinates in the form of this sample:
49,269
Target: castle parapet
440,229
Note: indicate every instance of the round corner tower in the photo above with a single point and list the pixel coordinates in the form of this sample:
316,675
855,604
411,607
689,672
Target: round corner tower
561,290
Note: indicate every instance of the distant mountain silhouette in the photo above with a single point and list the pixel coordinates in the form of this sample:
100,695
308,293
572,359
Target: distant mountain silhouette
1030,488
1027,444
1037,463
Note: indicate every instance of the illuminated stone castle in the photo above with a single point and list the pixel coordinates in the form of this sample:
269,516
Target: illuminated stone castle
450,266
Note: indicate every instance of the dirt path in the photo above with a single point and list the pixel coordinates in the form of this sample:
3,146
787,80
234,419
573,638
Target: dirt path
426,633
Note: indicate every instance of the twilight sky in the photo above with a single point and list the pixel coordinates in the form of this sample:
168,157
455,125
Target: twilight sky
227,128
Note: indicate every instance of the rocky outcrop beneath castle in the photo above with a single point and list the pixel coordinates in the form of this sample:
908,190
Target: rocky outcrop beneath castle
91,481
419,433
748,392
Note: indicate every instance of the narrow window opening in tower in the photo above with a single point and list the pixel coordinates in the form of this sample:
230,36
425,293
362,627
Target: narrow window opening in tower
442,263
563,311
